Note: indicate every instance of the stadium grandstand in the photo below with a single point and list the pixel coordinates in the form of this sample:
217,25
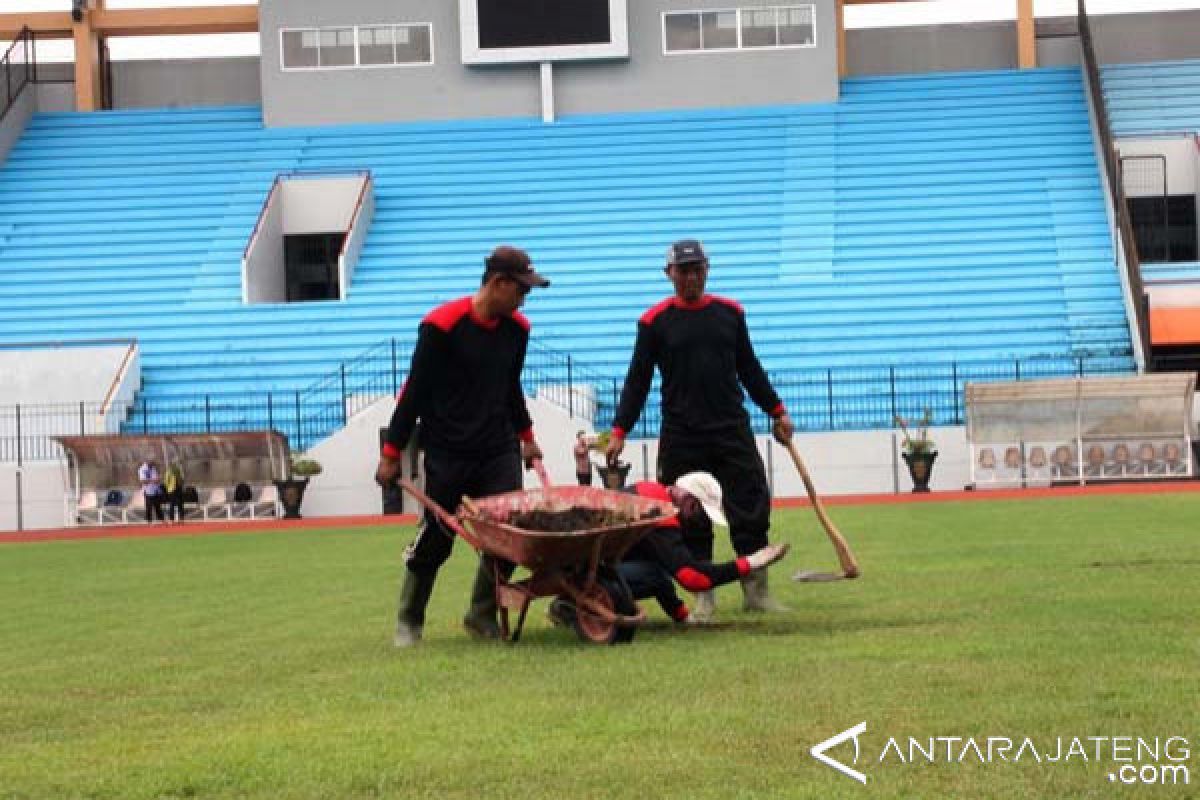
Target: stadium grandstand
249,244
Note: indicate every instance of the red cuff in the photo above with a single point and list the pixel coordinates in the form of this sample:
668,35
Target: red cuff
618,432
743,566
391,451
681,613
693,580
526,435
778,411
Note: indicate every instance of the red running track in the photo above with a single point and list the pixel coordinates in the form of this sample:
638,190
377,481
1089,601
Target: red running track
366,520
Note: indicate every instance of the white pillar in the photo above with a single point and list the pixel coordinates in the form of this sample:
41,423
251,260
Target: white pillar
547,92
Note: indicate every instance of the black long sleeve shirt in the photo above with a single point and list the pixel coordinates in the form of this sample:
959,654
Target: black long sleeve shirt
664,545
704,354
464,384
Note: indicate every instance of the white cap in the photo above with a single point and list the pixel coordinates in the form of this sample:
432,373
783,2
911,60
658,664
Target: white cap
704,487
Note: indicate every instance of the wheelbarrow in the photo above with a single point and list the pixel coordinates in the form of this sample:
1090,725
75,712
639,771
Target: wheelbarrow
578,566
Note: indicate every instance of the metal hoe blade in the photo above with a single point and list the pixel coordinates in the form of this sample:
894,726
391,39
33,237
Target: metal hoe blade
809,576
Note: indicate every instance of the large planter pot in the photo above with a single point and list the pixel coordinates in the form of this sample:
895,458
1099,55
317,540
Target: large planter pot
291,495
614,477
920,466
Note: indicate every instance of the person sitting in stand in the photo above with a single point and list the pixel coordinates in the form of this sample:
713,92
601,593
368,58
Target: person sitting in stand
669,553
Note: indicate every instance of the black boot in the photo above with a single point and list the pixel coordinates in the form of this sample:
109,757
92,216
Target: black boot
480,619
410,617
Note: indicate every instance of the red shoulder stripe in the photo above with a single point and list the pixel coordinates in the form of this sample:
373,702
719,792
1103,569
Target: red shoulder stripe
522,320
734,304
653,312
447,315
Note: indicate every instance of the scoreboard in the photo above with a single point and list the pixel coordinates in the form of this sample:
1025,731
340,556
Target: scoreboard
525,31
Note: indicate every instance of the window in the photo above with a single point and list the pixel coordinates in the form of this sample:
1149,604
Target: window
376,46
414,45
682,32
759,28
363,46
719,29
739,29
299,49
337,47
796,27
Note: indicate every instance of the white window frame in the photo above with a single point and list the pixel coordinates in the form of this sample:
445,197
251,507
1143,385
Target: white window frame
739,48
357,51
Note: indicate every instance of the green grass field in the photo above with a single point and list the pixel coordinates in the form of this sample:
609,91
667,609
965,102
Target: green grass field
261,666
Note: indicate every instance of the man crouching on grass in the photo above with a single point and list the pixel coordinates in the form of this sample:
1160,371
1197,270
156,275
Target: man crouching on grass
679,550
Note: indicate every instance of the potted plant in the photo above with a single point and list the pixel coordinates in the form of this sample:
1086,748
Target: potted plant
291,489
611,475
919,451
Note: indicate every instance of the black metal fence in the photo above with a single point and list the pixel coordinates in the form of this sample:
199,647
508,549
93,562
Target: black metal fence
851,398
870,398
18,68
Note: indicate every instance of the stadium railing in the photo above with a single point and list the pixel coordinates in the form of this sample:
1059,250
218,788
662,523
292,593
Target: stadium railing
18,69
834,399
1112,169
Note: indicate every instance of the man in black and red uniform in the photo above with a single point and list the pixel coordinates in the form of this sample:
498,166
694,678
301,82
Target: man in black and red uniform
701,346
668,554
464,386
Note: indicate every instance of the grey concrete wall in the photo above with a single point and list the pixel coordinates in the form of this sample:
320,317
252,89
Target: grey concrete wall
263,269
14,122
444,90
186,83
319,204
648,80
651,80
447,89
931,48
1119,38
43,489
55,97
1132,38
355,239
60,375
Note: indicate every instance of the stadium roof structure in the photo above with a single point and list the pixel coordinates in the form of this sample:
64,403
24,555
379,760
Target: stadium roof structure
92,21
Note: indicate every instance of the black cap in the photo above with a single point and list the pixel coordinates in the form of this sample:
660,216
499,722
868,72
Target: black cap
686,251
514,263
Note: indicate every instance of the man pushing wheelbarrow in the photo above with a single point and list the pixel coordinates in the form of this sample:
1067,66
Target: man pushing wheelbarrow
464,385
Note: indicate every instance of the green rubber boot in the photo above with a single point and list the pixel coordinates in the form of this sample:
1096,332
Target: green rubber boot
410,615
706,607
480,619
754,586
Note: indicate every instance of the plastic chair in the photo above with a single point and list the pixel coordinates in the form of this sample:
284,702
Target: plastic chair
216,505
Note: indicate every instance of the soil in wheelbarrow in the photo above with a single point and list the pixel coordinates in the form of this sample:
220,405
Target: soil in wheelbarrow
576,518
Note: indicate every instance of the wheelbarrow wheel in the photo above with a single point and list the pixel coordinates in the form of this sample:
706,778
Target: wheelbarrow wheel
608,592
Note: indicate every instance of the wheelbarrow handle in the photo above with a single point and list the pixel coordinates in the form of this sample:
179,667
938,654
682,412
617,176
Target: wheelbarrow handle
447,519
539,466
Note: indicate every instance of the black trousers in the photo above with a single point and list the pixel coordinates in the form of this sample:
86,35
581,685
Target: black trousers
154,507
448,476
731,455
175,504
648,579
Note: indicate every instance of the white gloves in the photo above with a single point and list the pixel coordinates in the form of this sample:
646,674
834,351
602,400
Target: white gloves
767,555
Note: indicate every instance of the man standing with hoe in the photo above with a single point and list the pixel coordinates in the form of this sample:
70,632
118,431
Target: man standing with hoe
701,346
464,386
